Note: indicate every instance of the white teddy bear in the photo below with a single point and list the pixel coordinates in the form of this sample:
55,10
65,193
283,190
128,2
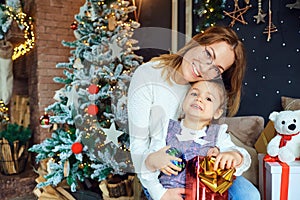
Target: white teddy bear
286,144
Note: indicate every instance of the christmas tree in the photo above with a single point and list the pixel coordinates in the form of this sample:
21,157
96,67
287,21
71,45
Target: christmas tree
90,140
208,13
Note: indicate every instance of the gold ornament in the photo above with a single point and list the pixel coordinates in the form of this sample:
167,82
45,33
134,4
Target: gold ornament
111,22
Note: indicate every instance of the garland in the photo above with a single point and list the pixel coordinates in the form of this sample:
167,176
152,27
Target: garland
7,16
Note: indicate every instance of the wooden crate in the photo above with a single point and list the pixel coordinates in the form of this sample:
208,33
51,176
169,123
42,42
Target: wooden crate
20,110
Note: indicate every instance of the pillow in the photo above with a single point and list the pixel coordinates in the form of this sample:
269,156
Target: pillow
252,173
289,103
246,128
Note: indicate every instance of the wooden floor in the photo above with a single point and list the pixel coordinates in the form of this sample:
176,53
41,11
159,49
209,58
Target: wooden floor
26,197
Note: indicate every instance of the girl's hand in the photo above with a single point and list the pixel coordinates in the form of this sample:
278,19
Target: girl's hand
162,161
228,160
173,194
214,151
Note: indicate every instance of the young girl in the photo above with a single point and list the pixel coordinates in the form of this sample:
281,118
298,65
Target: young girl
196,135
158,87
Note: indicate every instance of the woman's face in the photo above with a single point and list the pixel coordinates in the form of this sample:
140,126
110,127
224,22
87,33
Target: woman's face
206,62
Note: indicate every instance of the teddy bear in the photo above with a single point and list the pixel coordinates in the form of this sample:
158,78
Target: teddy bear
286,143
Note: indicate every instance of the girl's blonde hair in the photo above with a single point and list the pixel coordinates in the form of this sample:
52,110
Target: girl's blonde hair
232,77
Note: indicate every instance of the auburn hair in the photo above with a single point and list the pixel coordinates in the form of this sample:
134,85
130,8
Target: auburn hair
233,77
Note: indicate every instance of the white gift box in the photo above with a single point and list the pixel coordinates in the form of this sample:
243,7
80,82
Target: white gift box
273,179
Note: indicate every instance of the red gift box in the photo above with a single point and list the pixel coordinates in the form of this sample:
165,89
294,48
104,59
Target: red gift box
202,183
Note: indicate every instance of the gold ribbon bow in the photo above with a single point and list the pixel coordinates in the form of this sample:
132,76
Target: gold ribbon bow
219,180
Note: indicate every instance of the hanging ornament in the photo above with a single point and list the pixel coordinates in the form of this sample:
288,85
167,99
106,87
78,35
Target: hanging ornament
271,28
45,121
295,5
77,64
112,22
93,89
116,50
237,13
73,97
92,109
74,26
260,15
77,147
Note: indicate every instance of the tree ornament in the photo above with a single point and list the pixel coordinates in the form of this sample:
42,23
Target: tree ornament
175,152
81,166
77,147
112,134
45,121
74,26
92,109
237,13
93,89
73,97
67,167
77,64
111,22
116,50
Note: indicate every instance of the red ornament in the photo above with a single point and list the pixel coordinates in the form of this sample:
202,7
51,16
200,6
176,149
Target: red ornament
77,147
74,25
45,121
92,109
93,89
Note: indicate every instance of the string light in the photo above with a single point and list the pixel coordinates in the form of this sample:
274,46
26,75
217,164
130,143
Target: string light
3,112
27,26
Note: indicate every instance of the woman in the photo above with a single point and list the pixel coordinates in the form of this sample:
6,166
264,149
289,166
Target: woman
158,87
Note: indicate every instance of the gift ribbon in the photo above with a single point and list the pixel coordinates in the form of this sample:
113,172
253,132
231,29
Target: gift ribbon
219,180
284,187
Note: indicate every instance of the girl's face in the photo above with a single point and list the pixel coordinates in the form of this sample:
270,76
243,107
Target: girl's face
206,62
202,102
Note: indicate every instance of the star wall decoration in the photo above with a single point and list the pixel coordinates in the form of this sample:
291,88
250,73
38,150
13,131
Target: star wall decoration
116,50
112,134
237,13
295,5
260,15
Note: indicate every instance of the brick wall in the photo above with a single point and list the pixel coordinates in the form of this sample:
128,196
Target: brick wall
34,73
52,25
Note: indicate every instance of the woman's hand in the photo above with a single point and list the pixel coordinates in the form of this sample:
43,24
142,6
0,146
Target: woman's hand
162,161
228,160
173,194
